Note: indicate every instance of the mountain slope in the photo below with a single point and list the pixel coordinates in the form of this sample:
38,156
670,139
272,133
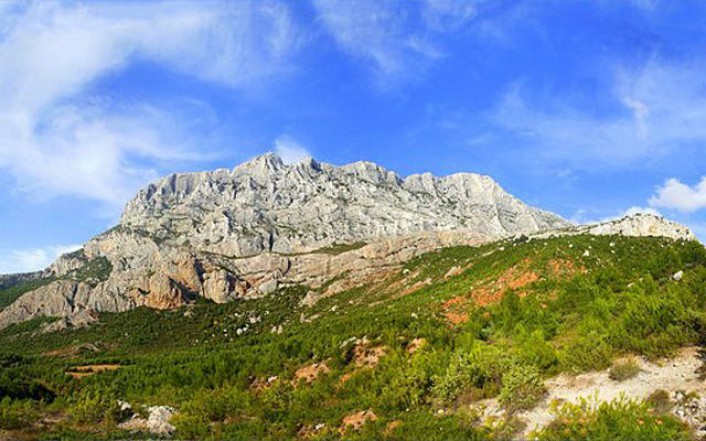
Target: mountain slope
224,235
415,353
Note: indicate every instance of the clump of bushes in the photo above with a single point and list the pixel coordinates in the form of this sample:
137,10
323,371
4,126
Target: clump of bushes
522,388
660,401
16,414
478,370
621,419
624,370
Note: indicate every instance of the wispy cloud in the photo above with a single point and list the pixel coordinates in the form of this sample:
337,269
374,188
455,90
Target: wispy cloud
290,150
656,110
445,15
34,259
674,194
393,36
56,138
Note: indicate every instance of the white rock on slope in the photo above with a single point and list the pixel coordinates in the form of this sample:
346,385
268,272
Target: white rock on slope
635,225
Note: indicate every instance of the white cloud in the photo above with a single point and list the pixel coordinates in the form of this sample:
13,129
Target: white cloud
290,151
56,138
657,110
20,261
443,15
397,38
676,195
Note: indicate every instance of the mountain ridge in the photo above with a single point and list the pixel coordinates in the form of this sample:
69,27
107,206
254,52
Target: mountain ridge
246,232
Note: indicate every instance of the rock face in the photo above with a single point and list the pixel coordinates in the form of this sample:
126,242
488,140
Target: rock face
226,235
9,280
637,225
641,225
267,206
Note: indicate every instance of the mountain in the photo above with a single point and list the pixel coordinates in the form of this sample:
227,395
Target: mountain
515,338
267,206
309,301
229,234
244,233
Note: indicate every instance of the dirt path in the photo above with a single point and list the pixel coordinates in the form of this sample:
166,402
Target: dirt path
676,374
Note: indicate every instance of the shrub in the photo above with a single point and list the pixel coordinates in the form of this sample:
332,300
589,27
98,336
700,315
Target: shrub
95,408
621,419
588,352
15,414
481,369
660,401
522,388
624,370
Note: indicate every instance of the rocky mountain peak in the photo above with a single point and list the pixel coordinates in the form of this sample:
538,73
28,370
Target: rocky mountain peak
265,163
267,205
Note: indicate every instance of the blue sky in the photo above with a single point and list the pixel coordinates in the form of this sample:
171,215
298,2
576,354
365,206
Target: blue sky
587,108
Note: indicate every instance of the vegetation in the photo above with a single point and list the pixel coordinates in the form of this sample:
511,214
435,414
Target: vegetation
9,295
618,420
94,271
496,321
624,370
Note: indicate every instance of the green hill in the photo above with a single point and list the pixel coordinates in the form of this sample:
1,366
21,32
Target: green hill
407,355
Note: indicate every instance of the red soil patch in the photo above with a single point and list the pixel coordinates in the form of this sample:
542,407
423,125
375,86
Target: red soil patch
454,310
456,318
564,268
310,373
367,357
514,278
90,369
490,293
356,421
458,300
392,425
345,378
415,345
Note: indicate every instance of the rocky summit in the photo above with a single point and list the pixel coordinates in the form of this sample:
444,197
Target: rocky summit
245,232
267,206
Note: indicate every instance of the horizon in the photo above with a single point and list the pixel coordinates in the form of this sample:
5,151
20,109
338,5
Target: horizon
590,110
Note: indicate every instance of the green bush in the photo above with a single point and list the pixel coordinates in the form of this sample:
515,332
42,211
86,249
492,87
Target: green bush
624,370
660,401
522,388
617,420
16,414
94,408
480,369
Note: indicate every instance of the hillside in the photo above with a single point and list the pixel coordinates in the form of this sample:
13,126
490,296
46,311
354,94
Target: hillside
241,233
416,352
309,301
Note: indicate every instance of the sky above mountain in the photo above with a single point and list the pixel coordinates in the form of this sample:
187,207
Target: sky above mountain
590,109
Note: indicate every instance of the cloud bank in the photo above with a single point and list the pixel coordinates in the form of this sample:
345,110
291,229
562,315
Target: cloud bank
58,138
